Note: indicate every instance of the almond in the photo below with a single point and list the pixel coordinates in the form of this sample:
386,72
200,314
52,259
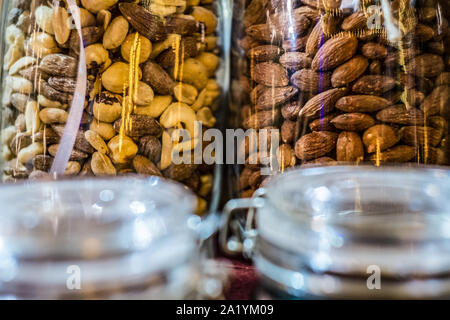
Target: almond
379,138
397,154
323,123
138,126
323,4
362,103
157,78
335,52
295,60
264,53
349,71
355,21
400,114
261,119
273,97
349,147
263,32
426,65
315,40
144,166
374,85
315,145
308,80
322,103
437,102
415,135
147,24
373,50
270,74
353,121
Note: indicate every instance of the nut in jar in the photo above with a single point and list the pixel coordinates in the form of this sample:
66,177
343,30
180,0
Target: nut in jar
143,59
353,81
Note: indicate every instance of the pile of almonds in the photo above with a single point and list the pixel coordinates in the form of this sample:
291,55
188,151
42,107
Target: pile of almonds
150,71
338,90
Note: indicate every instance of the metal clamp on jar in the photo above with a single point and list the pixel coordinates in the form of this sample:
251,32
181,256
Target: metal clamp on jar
349,232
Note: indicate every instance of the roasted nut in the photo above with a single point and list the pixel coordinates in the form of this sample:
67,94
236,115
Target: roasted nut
97,57
104,129
101,165
26,154
193,72
185,93
116,77
207,17
95,6
116,33
142,165
32,119
96,141
144,95
53,115
130,45
122,148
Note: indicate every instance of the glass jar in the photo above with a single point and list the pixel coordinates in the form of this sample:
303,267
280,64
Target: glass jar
351,232
145,84
341,81
102,239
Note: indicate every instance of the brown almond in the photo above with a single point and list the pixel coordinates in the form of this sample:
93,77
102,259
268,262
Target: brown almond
264,53
328,161
138,126
353,121
379,138
349,71
335,52
147,24
374,85
143,165
315,145
443,79
273,97
179,172
373,50
322,103
295,60
150,146
270,74
323,4
349,147
188,48
355,21
181,26
426,65
75,155
308,80
315,40
42,162
412,97
156,77
59,65
261,119
323,123
287,131
297,44
362,103
90,36
290,110
400,114
255,12
62,84
263,32
437,102
416,135
397,154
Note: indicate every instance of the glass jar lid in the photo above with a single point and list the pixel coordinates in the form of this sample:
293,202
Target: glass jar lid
118,232
343,219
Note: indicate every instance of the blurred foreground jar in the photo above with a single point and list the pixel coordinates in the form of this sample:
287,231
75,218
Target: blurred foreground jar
103,87
350,232
342,80
102,239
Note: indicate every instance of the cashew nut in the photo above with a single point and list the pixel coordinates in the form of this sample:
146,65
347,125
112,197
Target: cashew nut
193,72
206,117
21,64
169,42
156,107
95,6
97,55
32,120
44,17
185,93
178,113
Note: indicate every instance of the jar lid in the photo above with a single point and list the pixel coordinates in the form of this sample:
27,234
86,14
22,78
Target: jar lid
344,218
116,231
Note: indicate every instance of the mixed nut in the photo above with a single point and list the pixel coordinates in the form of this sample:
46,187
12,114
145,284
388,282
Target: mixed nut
338,87
150,72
